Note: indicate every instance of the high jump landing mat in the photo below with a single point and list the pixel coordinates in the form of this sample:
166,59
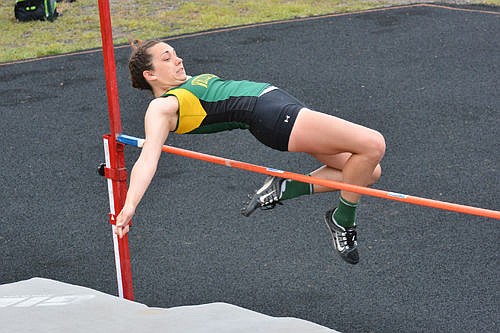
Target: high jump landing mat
43,305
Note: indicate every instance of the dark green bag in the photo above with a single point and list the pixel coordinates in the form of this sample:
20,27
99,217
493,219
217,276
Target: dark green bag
33,10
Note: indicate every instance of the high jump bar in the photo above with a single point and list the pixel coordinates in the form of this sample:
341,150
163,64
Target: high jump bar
137,142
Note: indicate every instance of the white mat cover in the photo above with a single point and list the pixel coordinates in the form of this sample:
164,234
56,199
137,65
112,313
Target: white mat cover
43,305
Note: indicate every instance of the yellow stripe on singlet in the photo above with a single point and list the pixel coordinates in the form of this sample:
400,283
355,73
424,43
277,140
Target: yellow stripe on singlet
191,112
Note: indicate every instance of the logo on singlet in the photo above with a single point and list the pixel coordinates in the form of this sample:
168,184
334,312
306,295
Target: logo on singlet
202,80
287,118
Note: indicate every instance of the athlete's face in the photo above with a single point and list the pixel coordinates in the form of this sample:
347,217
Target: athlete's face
168,69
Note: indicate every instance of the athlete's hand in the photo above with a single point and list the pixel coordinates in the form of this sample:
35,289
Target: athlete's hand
123,221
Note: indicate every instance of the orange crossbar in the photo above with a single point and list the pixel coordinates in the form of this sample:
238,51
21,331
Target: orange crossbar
334,184
318,181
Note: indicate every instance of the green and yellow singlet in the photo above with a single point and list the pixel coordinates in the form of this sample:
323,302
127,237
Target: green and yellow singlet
209,104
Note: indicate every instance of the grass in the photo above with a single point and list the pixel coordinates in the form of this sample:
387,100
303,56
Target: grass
78,28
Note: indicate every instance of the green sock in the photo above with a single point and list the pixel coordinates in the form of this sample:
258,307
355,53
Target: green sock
292,189
345,214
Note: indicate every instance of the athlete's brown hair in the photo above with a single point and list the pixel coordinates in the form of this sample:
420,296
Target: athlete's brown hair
140,61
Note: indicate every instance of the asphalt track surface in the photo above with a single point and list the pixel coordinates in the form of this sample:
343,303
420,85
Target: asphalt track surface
427,77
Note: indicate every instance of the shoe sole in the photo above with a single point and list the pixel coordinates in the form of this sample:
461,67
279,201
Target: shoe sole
254,201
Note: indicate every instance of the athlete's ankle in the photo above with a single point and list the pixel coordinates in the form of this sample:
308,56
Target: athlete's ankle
345,214
293,189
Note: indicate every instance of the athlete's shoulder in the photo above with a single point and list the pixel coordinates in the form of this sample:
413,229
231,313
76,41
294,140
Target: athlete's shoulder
164,104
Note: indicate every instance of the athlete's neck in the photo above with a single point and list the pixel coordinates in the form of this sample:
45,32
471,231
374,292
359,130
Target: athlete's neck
160,90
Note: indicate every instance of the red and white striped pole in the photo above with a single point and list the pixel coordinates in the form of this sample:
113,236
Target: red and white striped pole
114,169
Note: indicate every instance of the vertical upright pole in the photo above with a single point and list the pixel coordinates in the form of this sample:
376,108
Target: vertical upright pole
114,154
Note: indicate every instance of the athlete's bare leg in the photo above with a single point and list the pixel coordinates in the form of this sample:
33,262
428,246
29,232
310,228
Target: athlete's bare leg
351,153
332,170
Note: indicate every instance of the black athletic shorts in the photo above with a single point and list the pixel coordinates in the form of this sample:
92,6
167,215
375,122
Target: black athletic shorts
273,118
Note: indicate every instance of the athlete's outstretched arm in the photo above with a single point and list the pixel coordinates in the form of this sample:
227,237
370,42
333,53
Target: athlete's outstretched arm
160,119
